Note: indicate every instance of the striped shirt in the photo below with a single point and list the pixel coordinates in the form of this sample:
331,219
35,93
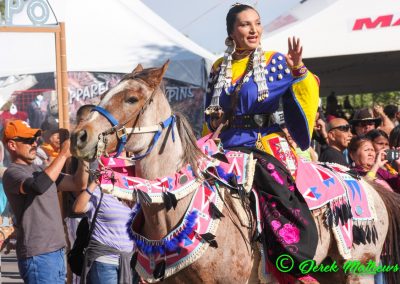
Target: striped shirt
112,223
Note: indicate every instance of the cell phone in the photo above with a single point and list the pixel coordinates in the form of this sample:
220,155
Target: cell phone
64,135
392,155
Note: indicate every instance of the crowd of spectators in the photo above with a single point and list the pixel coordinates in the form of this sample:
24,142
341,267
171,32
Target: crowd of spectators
361,142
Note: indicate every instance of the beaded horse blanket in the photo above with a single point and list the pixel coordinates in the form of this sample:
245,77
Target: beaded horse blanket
157,259
350,212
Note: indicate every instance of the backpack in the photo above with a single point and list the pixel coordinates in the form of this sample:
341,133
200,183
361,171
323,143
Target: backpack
76,256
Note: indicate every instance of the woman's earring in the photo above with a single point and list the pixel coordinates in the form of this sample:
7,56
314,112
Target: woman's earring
231,47
230,44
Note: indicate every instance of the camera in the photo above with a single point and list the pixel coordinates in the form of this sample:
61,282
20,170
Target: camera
392,155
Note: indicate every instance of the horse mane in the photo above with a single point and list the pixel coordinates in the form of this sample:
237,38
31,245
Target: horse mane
191,151
391,249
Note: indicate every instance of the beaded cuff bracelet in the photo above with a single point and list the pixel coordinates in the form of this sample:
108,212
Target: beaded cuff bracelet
299,71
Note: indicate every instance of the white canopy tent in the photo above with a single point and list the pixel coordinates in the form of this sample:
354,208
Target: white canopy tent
105,36
352,45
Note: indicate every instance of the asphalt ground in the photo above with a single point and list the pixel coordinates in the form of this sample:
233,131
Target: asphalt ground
9,268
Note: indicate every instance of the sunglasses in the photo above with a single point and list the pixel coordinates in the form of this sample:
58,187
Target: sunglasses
366,123
29,141
343,128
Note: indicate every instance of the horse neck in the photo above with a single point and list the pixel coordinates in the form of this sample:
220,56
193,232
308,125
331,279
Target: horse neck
166,156
165,159
158,222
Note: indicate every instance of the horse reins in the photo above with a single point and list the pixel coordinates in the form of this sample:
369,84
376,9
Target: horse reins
122,132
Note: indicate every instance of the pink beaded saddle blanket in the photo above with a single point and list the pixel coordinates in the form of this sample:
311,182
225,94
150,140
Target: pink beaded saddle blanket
350,212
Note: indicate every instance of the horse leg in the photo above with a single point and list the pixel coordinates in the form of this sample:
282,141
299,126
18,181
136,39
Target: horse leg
254,277
324,236
326,247
231,262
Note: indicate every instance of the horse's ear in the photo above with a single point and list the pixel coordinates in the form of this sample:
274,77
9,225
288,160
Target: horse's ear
137,69
165,67
156,75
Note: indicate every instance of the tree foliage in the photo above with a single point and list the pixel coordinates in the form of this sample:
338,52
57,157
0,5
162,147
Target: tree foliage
369,99
2,7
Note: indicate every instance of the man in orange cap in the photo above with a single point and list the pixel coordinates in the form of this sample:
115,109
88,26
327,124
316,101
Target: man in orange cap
32,193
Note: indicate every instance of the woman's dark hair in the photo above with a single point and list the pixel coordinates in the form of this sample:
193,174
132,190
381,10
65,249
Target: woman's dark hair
232,14
375,133
356,142
391,110
394,137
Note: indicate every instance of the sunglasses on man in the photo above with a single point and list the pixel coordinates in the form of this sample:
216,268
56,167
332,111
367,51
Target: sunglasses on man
29,141
365,123
343,128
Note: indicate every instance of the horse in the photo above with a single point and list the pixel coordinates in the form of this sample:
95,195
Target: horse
139,102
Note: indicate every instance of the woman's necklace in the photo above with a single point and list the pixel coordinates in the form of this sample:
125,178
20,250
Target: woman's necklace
241,53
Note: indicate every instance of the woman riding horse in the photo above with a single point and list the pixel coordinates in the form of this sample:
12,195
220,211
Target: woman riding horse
190,228
245,88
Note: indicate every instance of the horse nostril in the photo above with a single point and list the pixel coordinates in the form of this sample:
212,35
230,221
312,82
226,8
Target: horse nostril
82,138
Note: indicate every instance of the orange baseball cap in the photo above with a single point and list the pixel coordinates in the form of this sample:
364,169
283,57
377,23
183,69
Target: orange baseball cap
19,128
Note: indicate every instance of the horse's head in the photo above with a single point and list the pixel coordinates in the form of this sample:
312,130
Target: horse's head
135,103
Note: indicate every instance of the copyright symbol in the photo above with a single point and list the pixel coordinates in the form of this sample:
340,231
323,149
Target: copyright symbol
284,263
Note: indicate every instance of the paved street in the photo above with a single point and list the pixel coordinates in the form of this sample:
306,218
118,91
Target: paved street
9,269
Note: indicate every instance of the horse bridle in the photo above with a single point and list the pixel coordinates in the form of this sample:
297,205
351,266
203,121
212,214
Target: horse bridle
122,132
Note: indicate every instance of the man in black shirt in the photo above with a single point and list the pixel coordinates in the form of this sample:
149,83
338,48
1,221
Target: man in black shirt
339,136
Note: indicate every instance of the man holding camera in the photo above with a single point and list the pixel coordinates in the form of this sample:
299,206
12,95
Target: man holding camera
32,193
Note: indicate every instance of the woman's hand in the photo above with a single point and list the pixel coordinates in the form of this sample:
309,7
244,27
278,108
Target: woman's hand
294,57
216,119
378,110
320,127
380,160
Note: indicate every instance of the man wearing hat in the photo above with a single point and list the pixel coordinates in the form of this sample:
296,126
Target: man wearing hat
366,119
51,140
32,193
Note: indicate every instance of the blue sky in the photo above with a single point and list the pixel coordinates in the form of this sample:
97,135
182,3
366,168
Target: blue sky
203,21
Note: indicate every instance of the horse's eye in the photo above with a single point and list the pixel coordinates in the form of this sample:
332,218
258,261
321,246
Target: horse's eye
132,100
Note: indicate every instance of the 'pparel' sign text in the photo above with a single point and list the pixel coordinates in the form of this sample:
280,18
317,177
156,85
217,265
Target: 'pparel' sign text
38,11
87,92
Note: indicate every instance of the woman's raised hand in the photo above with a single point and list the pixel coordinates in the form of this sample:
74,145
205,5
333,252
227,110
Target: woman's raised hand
294,57
216,119
381,158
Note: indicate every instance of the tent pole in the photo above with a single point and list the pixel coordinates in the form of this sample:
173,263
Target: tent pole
64,77
58,78
62,97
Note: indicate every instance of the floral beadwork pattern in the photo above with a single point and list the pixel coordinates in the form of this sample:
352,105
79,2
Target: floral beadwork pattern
288,224
290,234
